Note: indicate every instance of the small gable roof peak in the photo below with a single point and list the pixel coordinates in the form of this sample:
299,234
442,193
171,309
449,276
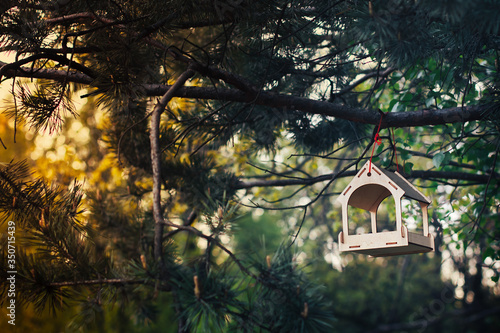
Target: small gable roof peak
386,179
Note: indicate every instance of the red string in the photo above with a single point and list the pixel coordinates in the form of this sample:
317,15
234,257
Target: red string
377,141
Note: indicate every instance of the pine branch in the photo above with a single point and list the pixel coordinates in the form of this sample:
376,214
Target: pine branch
436,175
290,182
200,234
96,282
430,156
53,50
310,106
156,159
72,18
420,174
188,222
286,102
377,74
14,66
44,73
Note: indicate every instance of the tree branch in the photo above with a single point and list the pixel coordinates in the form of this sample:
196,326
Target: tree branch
216,241
12,67
287,102
356,83
43,73
421,174
72,18
154,138
288,181
430,156
395,119
94,282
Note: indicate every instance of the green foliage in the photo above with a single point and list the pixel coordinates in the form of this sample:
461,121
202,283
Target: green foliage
43,109
56,246
306,308
257,236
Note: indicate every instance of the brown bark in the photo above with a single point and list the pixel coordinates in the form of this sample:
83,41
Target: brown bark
246,94
156,159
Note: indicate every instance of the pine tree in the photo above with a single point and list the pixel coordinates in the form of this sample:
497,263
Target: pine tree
195,93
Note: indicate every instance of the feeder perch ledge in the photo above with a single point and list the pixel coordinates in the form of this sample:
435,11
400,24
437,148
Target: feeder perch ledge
366,191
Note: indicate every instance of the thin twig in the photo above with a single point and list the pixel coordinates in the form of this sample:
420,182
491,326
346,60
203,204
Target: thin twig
485,197
215,241
188,222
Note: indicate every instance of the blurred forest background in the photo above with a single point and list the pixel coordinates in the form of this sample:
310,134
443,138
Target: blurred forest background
173,166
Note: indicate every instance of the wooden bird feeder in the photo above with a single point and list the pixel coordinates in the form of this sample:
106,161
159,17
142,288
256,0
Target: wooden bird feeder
366,191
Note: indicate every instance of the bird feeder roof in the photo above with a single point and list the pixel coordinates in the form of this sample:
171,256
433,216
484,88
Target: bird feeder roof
410,190
368,191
